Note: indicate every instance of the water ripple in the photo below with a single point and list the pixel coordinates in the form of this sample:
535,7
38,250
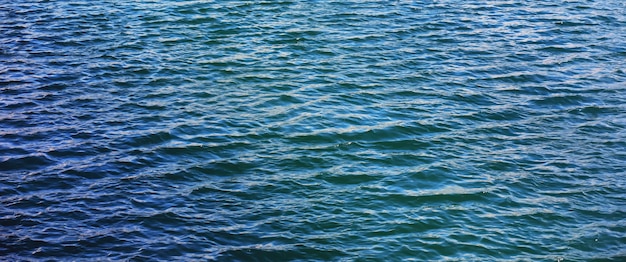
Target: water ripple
307,130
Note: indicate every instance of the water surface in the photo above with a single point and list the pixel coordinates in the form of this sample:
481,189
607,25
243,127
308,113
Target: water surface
313,130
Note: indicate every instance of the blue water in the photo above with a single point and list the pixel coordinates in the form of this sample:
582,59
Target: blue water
313,130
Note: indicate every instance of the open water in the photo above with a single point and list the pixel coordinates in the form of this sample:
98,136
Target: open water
313,130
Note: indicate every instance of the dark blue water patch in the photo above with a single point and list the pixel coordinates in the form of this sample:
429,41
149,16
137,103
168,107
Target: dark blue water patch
28,162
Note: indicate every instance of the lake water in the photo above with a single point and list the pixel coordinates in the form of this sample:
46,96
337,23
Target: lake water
313,130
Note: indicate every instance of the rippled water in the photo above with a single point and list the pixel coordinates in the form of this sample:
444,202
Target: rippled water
313,130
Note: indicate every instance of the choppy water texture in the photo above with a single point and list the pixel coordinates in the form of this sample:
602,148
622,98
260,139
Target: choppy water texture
313,130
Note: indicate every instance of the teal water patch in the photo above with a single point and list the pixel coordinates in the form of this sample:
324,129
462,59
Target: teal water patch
312,130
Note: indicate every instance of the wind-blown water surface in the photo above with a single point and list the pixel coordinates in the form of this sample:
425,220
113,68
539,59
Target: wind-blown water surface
313,130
